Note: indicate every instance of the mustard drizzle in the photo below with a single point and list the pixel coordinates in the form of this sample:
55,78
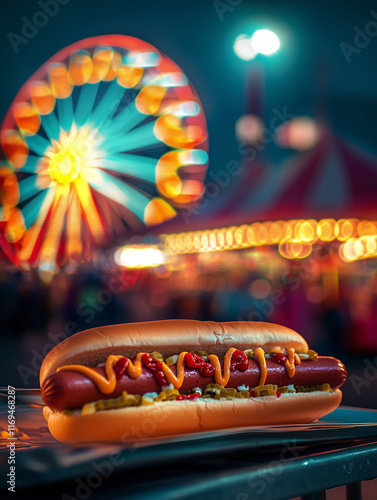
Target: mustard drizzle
107,384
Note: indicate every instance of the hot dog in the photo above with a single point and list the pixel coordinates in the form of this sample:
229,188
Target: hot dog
199,375
70,390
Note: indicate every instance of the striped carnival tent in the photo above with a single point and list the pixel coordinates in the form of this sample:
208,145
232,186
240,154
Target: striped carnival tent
333,180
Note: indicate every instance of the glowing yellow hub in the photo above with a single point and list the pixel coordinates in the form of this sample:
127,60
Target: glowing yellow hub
72,155
64,166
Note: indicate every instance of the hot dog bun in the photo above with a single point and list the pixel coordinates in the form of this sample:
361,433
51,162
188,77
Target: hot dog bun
134,425
168,337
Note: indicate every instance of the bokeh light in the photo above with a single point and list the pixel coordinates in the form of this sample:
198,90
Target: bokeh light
243,49
249,129
293,239
265,42
301,133
139,257
327,229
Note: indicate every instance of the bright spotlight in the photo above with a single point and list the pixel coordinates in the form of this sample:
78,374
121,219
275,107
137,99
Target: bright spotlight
139,257
243,49
265,42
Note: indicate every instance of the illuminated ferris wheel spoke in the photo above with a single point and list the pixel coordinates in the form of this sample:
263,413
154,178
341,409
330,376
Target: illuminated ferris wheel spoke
126,120
120,192
108,105
52,237
74,221
28,187
51,125
140,167
29,242
32,209
34,231
65,111
31,164
89,209
37,144
140,137
85,103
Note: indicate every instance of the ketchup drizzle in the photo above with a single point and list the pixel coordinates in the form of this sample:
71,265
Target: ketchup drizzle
239,361
120,367
279,358
155,367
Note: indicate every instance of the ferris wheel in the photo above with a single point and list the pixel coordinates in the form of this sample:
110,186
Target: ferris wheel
106,136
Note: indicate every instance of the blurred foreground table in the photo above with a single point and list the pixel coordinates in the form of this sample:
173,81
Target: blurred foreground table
263,462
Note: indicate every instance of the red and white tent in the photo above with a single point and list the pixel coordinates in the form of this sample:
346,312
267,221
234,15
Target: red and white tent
334,179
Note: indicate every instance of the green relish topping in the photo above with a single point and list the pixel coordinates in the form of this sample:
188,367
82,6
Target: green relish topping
212,391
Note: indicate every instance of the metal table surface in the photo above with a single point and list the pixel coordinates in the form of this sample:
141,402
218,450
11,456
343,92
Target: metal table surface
274,463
